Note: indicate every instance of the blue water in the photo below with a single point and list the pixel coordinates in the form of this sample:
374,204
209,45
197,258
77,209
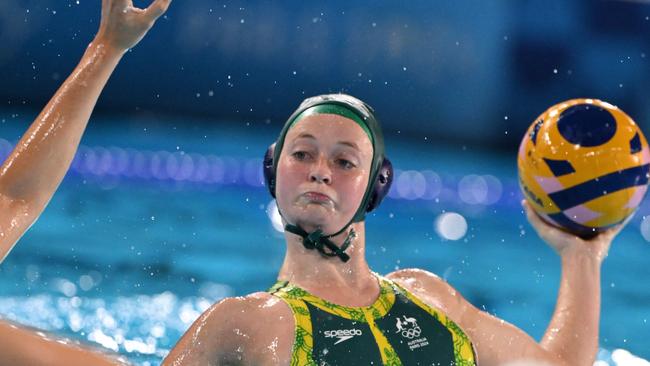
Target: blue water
128,260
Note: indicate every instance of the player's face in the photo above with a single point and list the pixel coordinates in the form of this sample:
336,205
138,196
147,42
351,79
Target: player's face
323,172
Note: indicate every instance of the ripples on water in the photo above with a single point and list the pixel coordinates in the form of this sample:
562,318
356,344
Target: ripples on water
143,328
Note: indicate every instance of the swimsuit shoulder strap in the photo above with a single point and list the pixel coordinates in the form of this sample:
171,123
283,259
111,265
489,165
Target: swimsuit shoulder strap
463,347
303,340
298,299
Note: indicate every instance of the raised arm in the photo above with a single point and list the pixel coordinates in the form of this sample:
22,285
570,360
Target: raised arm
496,342
573,331
33,171
572,336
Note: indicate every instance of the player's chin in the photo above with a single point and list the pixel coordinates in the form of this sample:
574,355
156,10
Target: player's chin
317,218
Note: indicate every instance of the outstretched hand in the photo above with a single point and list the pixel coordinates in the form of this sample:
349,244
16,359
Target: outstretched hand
123,25
564,242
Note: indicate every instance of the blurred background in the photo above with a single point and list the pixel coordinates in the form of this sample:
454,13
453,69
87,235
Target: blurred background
153,222
458,71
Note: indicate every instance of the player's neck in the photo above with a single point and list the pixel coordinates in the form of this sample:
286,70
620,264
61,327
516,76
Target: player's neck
329,277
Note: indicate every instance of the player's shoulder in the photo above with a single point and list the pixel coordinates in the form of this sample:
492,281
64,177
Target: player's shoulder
428,286
410,277
239,330
241,324
251,308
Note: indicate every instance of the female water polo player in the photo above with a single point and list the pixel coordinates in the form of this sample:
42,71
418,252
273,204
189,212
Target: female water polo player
33,171
326,170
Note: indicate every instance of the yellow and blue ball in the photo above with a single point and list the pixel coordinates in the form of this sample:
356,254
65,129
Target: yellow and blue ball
584,166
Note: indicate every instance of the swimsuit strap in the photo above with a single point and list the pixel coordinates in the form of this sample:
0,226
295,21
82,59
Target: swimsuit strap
303,343
297,299
463,347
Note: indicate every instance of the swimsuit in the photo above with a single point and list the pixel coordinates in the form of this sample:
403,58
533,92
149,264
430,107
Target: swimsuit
398,329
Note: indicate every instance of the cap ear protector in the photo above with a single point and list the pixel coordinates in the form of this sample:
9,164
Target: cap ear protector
379,191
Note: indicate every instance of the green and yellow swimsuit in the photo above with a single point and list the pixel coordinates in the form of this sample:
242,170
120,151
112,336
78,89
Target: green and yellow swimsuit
398,329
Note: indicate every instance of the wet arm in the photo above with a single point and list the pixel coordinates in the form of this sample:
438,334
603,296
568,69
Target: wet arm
496,342
33,171
35,168
572,336
573,330
20,346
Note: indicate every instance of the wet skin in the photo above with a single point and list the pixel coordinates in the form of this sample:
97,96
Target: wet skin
259,328
323,172
35,168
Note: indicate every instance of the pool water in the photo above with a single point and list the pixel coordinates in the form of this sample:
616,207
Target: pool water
157,221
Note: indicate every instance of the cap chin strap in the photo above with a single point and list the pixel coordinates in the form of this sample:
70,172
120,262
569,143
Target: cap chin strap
316,240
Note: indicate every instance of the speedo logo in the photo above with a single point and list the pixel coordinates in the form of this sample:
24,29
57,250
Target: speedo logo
342,334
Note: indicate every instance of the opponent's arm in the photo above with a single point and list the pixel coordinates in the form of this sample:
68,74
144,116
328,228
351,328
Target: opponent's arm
20,346
33,171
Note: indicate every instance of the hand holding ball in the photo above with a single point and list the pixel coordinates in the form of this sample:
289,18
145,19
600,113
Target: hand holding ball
584,166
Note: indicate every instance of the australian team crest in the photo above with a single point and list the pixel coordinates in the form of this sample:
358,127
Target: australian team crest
408,328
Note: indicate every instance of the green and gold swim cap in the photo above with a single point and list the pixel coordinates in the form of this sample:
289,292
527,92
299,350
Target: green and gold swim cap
349,107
